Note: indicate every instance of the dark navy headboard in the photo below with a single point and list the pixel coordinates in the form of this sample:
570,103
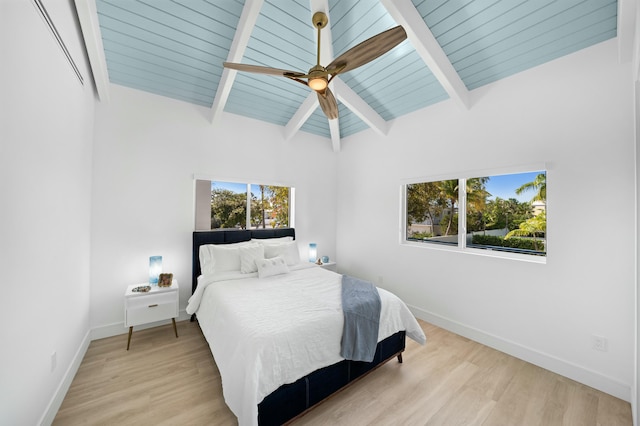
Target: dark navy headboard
228,236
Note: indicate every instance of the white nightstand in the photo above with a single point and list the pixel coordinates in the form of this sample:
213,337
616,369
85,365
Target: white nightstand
330,265
157,304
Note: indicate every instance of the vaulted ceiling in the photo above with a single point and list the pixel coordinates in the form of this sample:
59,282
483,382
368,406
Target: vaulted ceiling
176,48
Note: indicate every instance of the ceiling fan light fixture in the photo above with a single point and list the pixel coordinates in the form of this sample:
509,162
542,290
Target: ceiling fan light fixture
317,78
318,83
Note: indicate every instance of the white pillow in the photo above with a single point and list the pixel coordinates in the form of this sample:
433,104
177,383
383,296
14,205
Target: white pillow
270,267
289,251
220,257
249,255
278,240
207,255
206,259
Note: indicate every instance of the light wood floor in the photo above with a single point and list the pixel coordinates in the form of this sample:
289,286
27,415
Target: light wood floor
451,380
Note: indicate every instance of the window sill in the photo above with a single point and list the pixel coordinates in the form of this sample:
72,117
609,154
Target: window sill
478,252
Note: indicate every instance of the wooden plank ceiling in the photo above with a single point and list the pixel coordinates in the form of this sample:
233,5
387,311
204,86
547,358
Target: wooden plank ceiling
176,48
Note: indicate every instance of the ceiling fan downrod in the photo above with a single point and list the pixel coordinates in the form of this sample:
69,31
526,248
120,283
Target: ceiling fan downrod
318,75
320,21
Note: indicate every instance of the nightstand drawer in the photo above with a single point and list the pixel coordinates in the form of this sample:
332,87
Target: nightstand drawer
145,300
150,312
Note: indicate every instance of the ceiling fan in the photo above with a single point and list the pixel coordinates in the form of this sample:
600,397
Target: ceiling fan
319,77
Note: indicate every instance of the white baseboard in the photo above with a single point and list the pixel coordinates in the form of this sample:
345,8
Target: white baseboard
93,334
565,368
56,401
559,366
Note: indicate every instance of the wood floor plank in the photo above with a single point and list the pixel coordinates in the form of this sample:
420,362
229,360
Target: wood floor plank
612,411
451,380
469,406
496,370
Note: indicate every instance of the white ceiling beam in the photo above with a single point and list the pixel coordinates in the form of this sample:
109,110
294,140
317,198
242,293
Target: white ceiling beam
326,56
326,43
626,29
302,114
359,107
334,127
425,43
311,102
341,91
628,37
90,26
239,44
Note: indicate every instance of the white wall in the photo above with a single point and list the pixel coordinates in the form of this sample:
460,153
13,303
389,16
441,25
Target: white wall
575,113
147,150
46,119
635,395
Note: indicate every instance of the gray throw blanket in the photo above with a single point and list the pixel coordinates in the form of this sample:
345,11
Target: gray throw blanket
361,306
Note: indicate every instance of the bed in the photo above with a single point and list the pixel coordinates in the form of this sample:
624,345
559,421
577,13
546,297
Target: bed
275,337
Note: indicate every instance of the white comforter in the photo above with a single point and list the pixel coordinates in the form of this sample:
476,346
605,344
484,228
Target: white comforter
266,332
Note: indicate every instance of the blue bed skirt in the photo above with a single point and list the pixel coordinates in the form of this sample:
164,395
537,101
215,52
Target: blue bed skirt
292,400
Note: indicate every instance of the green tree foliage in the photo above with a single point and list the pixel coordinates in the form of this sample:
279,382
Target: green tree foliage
449,196
437,202
228,209
476,204
423,202
501,214
477,193
452,224
260,205
492,240
257,214
539,185
279,199
535,227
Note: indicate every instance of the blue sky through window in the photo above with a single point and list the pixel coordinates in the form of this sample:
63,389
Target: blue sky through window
238,188
504,186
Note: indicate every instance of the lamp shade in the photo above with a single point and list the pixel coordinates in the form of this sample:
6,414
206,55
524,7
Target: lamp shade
155,269
313,252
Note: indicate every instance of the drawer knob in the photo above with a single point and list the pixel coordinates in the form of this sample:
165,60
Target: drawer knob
153,306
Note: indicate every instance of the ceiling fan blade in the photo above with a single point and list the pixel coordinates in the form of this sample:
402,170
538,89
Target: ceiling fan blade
263,70
328,104
367,51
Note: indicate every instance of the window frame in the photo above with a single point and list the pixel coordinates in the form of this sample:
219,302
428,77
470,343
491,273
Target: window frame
462,247
210,179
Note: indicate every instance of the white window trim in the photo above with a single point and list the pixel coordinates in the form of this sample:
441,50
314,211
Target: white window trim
462,212
212,178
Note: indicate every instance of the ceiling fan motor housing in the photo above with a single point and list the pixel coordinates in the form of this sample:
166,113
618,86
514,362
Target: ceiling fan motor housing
318,78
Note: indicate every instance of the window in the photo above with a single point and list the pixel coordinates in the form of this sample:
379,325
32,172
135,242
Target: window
502,213
240,205
432,212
